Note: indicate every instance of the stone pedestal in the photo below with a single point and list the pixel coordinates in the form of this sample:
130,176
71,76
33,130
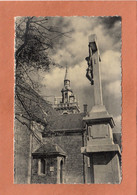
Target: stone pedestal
103,155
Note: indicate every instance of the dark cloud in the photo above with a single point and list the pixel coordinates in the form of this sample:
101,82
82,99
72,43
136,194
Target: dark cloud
109,21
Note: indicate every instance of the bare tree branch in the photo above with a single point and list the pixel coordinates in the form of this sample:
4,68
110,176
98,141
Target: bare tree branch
28,127
34,38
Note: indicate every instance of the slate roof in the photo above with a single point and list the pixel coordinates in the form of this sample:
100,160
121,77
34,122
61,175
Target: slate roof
66,122
49,149
34,105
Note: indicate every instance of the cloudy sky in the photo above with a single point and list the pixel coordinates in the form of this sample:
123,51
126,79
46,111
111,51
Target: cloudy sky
72,49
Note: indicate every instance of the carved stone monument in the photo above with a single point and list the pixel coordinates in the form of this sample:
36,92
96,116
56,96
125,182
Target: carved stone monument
103,156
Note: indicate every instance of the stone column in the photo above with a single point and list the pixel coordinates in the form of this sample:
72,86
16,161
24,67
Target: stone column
104,155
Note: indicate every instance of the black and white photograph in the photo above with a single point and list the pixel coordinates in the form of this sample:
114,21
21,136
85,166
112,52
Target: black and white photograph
68,97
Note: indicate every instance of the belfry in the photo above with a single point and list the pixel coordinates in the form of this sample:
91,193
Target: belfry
68,103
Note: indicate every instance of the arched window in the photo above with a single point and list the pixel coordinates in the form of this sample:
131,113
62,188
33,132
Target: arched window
42,168
61,171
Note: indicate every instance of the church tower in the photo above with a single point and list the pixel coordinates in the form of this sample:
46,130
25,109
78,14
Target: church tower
68,103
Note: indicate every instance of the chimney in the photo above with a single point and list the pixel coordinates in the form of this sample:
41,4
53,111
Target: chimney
85,109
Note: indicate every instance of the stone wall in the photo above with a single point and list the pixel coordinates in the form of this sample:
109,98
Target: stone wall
21,153
71,144
24,144
50,177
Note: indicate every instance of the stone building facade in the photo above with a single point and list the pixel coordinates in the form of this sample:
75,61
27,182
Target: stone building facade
64,163
63,139
31,115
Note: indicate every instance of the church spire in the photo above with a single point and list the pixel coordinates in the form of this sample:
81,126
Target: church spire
66,74
66,79
68,103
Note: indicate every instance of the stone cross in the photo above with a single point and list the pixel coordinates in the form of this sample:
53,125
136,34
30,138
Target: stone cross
93,70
